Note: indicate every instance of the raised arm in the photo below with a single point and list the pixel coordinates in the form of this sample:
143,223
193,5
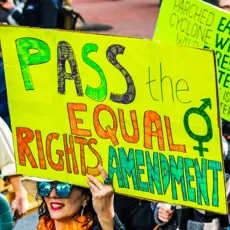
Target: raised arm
103,202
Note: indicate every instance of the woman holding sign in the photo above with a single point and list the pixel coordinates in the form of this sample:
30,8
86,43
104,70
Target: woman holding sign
67,206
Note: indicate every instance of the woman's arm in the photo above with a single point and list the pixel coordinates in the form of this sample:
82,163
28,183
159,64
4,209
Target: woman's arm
7,166
7,163
103,202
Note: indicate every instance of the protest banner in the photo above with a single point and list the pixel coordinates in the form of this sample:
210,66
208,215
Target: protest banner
195,23
131,105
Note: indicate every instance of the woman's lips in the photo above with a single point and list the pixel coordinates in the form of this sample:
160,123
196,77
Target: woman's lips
56,206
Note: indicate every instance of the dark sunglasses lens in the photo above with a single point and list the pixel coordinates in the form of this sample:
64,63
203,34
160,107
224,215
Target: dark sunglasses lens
63,190
44,189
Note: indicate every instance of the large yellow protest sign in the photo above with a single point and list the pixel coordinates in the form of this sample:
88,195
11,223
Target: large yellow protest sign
195,23
131,105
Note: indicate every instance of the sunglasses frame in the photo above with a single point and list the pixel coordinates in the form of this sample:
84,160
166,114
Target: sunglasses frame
54,186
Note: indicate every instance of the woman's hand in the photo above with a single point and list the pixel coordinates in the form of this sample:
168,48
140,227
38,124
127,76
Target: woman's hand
103,197
165,214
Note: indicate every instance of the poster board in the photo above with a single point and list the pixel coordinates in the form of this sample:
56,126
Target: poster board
132,105
197,24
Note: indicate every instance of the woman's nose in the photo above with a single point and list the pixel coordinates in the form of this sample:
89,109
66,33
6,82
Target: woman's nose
53,193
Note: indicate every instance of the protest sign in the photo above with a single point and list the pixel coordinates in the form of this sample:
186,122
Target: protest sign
198,24
131,105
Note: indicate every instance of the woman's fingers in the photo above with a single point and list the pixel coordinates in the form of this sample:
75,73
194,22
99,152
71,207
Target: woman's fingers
92,186
96,182
103,172
96,185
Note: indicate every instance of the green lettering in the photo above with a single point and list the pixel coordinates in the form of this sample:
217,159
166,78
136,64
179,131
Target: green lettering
215,167
191,191
221,42
153,172
128,167
177,175
221,24
201,181
27,57
165,174
113,159
100,93
140,162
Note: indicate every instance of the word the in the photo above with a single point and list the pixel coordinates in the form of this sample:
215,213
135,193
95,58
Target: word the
176,88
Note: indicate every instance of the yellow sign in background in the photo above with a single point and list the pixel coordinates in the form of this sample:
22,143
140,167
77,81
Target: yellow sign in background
132,105
195,23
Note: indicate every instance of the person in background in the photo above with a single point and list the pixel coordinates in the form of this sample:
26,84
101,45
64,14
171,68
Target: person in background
224,4
4,111
42,13
165,216
6,219
135,214
7,162
8,170
4,13
226,144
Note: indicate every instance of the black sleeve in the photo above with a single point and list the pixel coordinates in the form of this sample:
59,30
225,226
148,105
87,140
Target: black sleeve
134,213
42,13
48,14
117,224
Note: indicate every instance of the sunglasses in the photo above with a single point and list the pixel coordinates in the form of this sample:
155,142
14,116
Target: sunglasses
63,190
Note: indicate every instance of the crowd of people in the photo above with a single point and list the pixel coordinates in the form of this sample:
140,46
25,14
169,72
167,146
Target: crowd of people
66,206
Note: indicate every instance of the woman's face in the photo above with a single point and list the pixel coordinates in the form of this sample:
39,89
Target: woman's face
64,209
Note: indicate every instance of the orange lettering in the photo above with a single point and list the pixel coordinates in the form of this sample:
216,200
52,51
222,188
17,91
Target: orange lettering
149,118
42,161
94,171
109,133
60,165
25,136
135,137
172,146
74,121
70,150
82,142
